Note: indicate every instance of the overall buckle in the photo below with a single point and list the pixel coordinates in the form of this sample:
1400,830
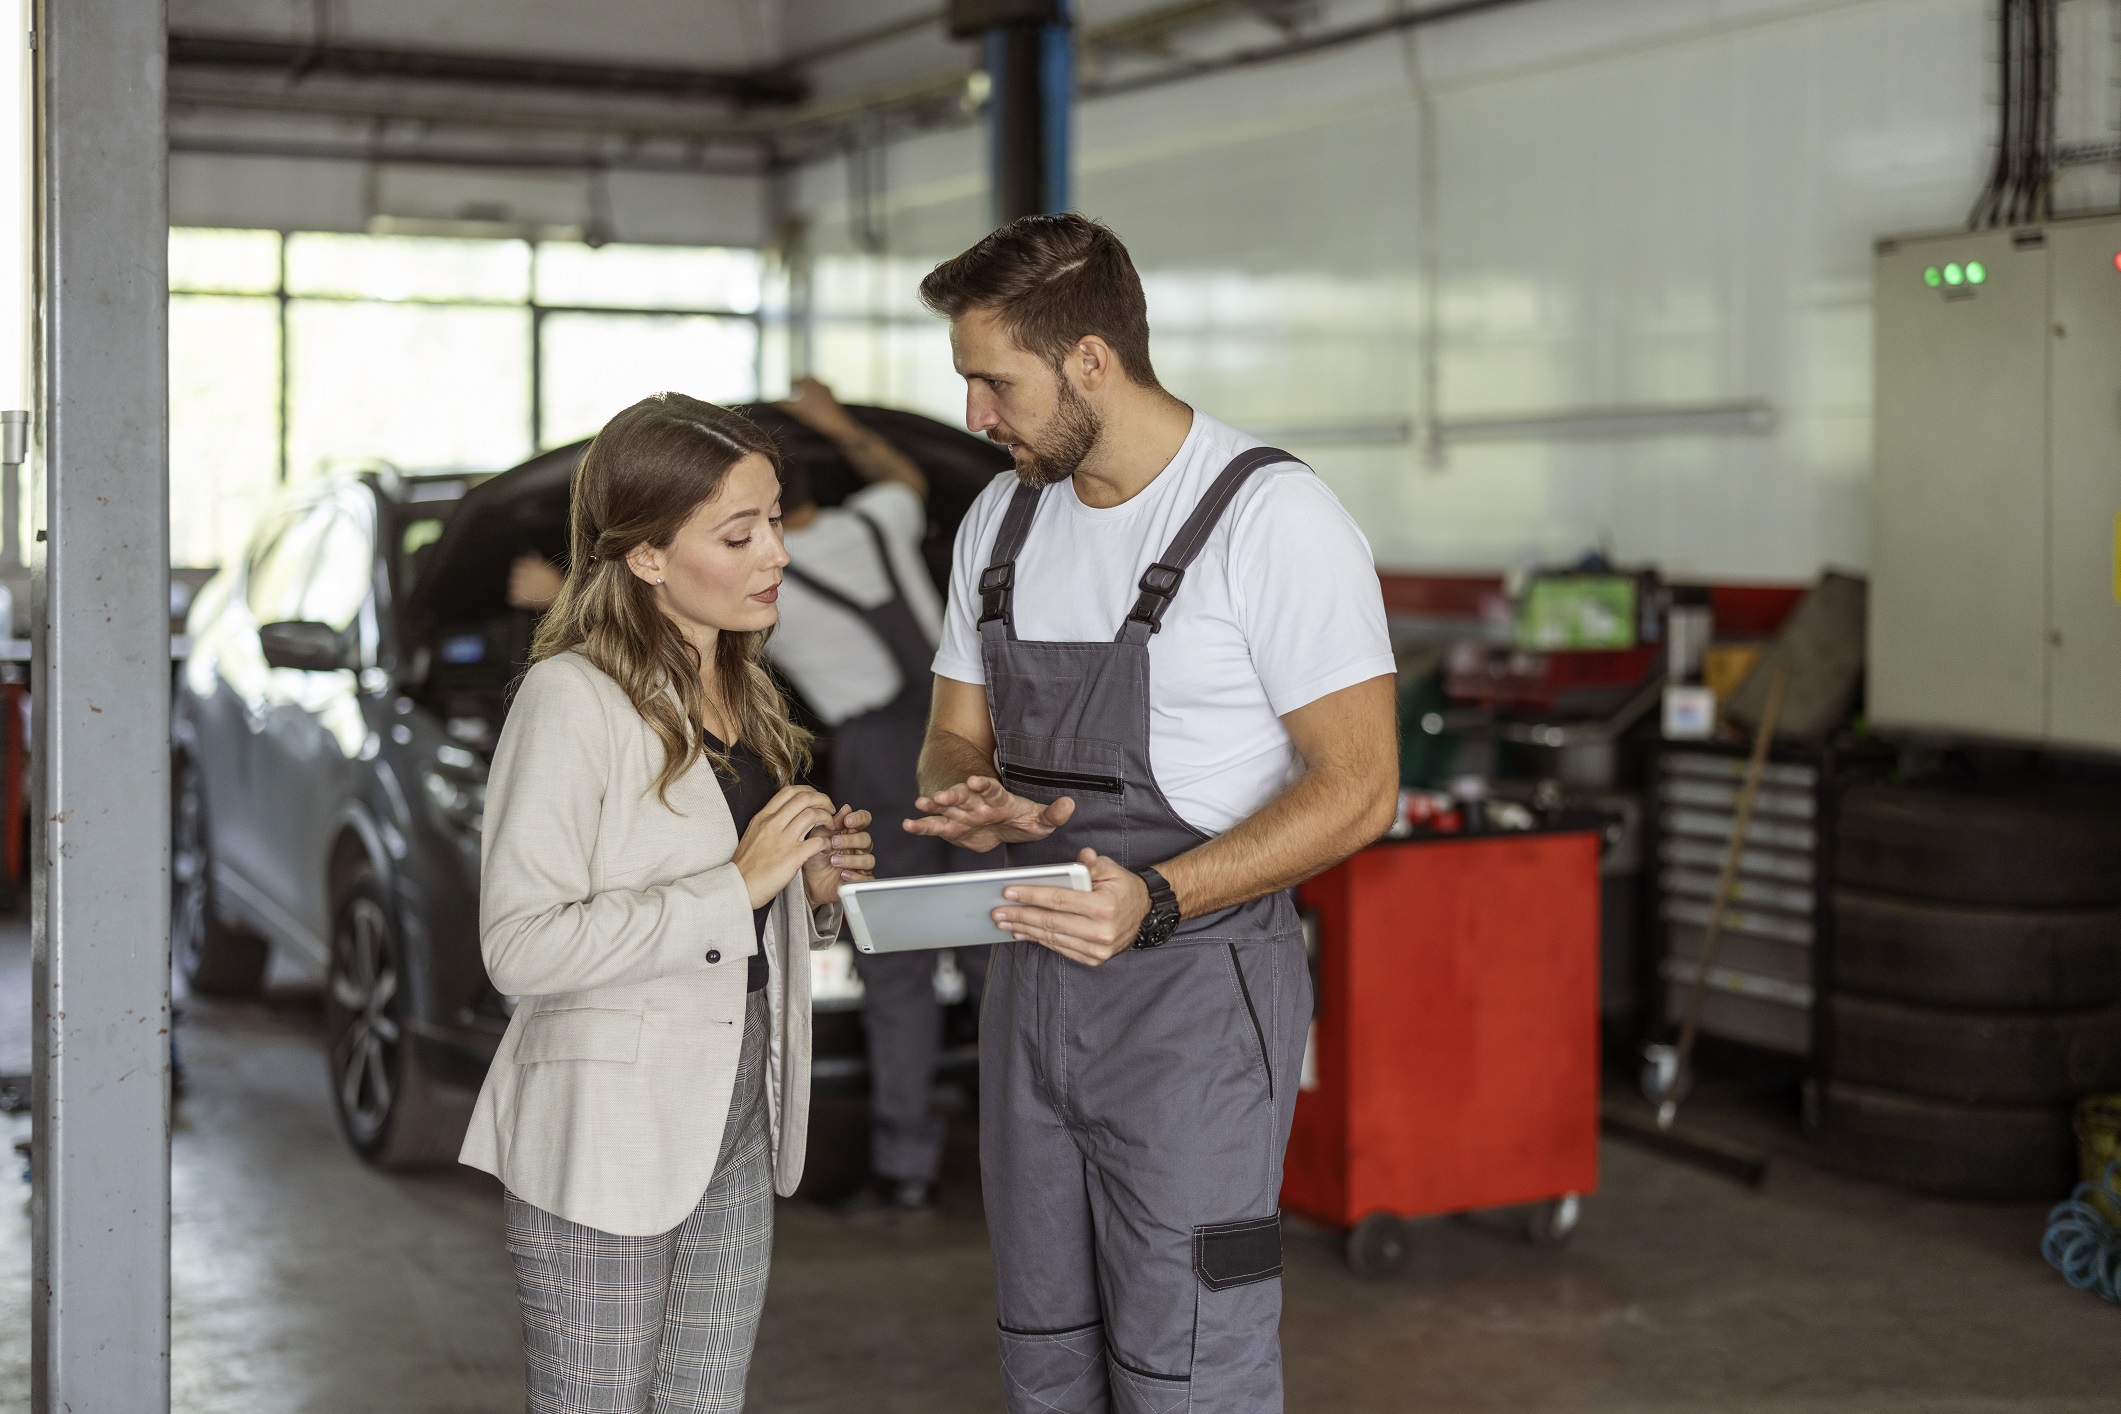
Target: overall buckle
995,582
1159,583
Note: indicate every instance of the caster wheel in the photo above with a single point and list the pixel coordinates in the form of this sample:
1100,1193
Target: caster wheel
1553,1224
1377,1246
1662,1077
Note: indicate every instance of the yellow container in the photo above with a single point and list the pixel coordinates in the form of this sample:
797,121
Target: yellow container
1726,665
2098,1124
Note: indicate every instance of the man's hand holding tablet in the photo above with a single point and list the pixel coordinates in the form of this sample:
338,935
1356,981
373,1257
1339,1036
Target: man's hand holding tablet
948,910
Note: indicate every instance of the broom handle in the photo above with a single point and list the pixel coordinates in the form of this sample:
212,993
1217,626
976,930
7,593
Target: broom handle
1727,885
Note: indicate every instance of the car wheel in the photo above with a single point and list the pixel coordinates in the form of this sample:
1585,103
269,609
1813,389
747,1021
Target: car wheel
212,957
392,1113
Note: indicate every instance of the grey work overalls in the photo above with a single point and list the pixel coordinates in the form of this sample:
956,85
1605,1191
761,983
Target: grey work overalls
874,761
1133,1116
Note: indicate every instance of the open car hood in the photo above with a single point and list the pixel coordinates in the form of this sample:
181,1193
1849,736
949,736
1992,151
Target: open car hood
957,464
464,578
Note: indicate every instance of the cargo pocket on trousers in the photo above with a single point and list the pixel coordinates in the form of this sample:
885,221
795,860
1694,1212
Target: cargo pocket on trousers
1235,1254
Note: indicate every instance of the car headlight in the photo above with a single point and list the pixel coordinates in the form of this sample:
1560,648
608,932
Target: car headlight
455,783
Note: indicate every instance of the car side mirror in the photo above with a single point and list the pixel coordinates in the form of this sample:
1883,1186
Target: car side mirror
305,646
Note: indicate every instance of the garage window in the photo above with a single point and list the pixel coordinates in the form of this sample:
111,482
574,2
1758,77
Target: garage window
292,354
593,364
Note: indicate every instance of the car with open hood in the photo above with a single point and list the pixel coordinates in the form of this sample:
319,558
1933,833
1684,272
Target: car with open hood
330,737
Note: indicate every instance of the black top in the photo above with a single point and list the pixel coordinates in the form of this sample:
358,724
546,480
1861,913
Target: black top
747,785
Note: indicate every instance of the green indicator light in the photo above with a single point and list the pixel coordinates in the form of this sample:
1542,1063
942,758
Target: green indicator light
1953,275
1933,277
1976,272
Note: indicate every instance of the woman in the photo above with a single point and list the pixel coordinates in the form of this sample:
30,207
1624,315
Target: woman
652,884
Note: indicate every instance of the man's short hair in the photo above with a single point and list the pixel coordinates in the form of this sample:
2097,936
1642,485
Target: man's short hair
1052,281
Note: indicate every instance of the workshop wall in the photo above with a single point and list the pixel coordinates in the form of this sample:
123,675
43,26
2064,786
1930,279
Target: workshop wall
1638,203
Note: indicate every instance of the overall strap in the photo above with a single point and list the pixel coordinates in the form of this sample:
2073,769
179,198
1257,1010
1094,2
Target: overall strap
997,583
827,592
1159,583
883,555
822,590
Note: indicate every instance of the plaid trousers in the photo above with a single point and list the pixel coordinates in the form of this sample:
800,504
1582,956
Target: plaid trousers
662,1324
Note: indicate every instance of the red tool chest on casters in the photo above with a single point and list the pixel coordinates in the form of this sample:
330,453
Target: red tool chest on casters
1455,1061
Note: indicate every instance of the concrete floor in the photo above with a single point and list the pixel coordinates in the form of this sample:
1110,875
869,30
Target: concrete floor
304,1282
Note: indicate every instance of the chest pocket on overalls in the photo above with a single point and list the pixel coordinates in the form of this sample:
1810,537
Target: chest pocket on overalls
1045,768
1090,772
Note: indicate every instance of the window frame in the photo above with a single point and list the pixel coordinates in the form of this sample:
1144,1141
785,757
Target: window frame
535,368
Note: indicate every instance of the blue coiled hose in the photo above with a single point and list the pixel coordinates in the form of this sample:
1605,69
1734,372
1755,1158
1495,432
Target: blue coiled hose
2083,1239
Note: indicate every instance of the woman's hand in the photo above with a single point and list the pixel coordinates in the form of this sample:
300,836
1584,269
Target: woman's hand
849,860
779,841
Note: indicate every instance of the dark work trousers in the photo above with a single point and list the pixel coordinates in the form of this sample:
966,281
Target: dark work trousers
904,1025
874,758
1133,1116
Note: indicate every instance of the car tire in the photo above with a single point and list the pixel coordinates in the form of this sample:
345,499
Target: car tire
213,958
391,1112
1976,1057
2016,1154
1994,959
2046,848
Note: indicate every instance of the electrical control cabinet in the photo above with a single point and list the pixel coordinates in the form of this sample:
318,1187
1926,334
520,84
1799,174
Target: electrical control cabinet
1995,599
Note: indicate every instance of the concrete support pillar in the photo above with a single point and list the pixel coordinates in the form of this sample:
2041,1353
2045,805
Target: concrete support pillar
100,1175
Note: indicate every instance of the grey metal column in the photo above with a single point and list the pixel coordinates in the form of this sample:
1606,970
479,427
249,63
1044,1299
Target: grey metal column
100,1201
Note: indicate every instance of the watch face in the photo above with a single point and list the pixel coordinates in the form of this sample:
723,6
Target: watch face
1158,927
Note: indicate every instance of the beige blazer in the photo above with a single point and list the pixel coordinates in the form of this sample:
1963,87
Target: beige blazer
599,909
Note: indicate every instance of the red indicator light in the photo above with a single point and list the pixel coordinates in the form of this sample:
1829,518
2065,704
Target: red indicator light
2117,260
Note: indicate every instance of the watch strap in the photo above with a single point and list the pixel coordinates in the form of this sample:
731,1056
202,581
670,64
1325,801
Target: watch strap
1162,919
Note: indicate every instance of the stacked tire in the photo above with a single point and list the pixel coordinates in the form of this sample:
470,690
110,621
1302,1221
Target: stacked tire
1976,985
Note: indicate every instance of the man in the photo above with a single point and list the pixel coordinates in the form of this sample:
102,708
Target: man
1164,656
859,619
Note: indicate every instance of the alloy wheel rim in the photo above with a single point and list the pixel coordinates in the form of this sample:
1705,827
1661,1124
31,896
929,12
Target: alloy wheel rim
364,986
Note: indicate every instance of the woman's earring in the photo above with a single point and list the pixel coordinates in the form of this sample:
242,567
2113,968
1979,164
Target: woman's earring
659,579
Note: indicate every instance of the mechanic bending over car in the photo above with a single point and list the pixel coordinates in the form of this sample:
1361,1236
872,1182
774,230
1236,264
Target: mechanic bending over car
1165,656
651,884
859,621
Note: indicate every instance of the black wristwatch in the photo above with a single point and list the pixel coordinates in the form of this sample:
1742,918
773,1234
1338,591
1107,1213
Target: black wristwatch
1161,921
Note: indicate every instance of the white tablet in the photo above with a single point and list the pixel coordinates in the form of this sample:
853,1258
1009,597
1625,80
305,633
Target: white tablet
943,910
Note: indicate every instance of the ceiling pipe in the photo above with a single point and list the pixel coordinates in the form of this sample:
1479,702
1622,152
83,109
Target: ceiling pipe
295,60
793,136
1299,47
499,158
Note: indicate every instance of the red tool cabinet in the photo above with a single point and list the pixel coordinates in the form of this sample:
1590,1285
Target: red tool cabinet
1454,1064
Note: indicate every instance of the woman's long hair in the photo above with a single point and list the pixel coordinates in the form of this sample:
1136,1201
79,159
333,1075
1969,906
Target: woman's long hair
641,479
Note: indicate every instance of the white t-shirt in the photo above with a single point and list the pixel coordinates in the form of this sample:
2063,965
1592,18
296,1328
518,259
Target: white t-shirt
1281,607
839,665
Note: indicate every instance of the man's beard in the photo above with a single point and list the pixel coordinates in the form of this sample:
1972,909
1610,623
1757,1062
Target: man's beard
1066,443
